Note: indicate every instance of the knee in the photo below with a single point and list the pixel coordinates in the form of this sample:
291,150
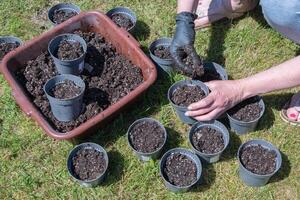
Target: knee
280,12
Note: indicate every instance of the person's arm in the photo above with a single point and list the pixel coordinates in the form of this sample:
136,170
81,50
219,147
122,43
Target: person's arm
187,6
184,36
226,94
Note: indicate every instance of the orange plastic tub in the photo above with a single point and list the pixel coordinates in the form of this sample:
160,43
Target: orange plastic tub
98,22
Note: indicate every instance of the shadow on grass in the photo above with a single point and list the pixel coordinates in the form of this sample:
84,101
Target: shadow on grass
233,146
207,178
141,30
173,140
284,171
115,168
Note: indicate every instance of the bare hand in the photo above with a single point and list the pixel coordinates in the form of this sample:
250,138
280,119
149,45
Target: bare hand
224,95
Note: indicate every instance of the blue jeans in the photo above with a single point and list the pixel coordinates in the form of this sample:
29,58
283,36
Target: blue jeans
283,16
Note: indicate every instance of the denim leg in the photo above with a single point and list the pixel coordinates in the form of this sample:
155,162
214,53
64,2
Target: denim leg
283,16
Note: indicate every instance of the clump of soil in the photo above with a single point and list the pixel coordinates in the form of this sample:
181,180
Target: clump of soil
65,90
208,140
180,170
88,164
112,78
162,52
5,48
147,137
61,16
69,50
246,111
122,20
187,94
191,61
258,159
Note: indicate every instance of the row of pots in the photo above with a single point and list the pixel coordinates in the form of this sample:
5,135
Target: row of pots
68,7
248,177
239,127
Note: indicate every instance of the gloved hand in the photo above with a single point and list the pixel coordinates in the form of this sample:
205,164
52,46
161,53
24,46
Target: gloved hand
183,43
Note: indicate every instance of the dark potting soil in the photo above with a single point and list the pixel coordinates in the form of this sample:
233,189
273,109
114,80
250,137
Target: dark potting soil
258,159
88,164
5,48
187,94
60,16
69,50
180,170
122,20
208,140
188,61
112,78
162,52
147,137
246,111
65,90
209,75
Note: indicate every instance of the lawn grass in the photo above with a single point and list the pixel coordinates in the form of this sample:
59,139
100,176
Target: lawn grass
33,166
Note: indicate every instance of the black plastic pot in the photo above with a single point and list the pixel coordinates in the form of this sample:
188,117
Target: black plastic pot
146,156
211,66
68,7
190,155
65,109
75,66
241,127
125,11
10,39
250,178
210,158
180,110
163,65
88,145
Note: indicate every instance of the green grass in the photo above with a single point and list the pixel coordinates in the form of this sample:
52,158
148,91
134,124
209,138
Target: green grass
33,166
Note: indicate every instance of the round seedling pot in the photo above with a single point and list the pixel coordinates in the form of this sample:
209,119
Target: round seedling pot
163,65
100,177
241,127
180,110
67,7
191,156
65,109
250,178
124,11
147,156
212,66
215,157
10,39
75,66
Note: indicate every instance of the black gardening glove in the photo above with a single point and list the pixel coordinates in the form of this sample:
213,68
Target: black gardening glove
183,39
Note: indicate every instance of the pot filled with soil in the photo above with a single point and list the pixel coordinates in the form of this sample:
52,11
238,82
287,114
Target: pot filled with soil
259,160
244,117
87,163
183,93
209,140
62,12
65,95
8,44
212,71
147,137
180,169
123,17
68,52
160,54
